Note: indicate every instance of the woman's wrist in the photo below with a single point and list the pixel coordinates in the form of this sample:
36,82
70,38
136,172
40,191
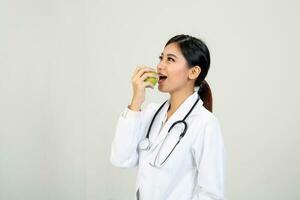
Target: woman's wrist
135,105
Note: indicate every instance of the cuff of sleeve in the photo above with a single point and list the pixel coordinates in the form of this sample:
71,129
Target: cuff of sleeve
127,113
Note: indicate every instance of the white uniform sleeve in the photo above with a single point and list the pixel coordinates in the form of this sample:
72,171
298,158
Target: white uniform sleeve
209,155
129,131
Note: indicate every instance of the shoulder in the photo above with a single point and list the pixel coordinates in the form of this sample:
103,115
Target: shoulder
212,127
209,127
207,124
204,115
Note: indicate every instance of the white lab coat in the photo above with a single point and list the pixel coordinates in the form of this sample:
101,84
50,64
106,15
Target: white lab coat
196,168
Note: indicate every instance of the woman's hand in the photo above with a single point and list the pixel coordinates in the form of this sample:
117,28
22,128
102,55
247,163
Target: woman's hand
139,84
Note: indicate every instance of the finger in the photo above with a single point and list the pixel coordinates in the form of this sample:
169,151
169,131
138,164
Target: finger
137,69
147,75
148,84
143,70
153,75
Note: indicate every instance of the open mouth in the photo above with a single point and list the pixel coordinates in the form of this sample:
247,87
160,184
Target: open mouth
162,78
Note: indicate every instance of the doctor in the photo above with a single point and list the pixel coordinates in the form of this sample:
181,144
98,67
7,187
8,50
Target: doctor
177,145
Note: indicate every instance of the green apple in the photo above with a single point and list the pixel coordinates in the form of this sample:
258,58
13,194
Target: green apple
153,80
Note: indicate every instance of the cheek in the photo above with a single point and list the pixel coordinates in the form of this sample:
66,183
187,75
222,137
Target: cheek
179,76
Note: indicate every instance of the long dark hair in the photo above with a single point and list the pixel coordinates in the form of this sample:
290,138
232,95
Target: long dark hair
196,53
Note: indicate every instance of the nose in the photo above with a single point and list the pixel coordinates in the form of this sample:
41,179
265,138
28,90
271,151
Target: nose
160,66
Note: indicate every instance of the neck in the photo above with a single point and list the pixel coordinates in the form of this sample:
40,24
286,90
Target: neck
178,97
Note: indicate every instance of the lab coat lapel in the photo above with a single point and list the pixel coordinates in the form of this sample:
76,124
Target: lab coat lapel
158,122
178,115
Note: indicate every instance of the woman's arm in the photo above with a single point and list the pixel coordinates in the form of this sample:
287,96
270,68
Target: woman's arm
209,155
130,130
130,126
124,145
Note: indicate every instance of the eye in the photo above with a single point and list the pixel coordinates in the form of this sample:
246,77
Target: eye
171,59
160,57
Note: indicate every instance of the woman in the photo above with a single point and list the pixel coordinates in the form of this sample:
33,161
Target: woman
181,163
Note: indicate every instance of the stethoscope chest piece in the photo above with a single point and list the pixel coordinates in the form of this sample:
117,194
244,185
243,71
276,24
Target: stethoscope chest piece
145,144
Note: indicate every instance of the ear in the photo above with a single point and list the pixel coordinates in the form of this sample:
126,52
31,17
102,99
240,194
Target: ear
194,72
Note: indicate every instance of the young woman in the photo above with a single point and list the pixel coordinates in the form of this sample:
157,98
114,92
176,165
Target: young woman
178,145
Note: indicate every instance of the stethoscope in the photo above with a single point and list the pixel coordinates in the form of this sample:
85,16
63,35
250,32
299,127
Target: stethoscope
146,144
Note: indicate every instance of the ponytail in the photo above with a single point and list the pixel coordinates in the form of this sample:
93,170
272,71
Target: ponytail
205,94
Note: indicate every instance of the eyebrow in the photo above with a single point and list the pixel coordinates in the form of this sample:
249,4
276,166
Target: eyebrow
170,54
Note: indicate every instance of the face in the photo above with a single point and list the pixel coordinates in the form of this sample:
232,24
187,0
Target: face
174,66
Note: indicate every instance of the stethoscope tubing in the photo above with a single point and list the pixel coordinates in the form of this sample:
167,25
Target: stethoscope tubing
175,123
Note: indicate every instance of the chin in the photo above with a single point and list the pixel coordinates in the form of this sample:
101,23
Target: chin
163,90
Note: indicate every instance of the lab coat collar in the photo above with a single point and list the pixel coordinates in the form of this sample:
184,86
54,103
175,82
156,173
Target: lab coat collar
179,114
187,104
184,108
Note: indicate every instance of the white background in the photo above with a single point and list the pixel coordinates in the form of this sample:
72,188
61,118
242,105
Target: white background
65,70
